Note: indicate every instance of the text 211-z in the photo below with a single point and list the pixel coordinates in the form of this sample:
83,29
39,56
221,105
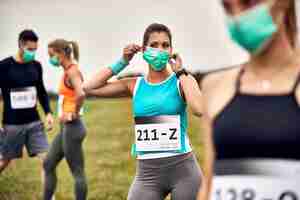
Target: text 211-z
143,135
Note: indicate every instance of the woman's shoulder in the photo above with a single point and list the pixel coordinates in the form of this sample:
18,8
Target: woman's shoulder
218,88
130,81
220,78
72,68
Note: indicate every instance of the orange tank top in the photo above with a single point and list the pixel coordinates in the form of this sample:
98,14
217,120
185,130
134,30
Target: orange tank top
67,101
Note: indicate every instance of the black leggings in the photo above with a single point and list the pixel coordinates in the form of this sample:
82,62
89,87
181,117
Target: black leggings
67,144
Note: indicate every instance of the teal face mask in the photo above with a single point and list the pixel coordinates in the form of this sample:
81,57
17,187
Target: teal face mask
253,29
157,59
54,61
28,55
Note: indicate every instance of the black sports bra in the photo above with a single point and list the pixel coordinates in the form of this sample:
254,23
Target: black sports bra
253,126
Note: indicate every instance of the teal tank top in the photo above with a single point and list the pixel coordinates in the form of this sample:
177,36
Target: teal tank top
157,99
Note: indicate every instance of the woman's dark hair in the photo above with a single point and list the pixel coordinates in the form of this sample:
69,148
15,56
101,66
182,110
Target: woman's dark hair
155,27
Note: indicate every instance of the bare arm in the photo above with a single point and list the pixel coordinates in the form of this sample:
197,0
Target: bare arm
208,158
208,149
98,80
76,80
192,94
189,88
100,86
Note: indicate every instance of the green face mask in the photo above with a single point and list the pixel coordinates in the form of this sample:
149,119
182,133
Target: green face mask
54,61
157,59
253,29
28,55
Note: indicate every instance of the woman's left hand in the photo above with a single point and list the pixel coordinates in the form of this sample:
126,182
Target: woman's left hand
175,62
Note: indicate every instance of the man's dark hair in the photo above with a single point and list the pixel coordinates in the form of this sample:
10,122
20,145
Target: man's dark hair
27,35
155,27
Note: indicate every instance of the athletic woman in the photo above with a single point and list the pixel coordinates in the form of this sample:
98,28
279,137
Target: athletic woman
166,164
253,109
68,143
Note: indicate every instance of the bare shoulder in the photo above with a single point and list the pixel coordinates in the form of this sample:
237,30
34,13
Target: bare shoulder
218,79
218,89
73,72
129,82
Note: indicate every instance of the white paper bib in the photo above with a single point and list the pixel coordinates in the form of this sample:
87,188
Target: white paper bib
23,98
159,133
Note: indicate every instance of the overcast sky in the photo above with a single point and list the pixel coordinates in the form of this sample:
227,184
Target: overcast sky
103,28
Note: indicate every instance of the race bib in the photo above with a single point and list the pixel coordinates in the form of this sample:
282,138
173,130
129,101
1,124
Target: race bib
255,187
256,179
23,98
158,133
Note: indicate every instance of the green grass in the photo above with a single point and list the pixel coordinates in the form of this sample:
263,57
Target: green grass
109,165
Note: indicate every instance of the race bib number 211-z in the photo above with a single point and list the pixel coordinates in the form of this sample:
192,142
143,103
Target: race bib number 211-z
158,133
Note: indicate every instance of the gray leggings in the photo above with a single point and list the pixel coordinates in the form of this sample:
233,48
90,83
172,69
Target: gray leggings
67,144
156,178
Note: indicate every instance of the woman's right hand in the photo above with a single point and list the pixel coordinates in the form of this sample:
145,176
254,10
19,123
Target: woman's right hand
130,50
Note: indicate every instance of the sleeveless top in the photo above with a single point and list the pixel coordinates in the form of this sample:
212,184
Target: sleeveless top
157,100
67,95
256,126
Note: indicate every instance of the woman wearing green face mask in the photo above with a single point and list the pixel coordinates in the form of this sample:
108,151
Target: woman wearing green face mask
166,164
68,143
253,109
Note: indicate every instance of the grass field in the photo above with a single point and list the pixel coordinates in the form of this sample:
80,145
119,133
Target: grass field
109,165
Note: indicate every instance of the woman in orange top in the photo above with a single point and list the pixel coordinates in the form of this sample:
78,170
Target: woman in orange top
68,143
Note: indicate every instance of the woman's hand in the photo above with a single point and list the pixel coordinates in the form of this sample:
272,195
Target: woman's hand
49,122
189,87
130,50
175,62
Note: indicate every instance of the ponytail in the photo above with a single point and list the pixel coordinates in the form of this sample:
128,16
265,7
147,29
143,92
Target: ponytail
75,50
69,48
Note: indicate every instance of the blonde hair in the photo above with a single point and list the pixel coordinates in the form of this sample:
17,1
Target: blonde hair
69,48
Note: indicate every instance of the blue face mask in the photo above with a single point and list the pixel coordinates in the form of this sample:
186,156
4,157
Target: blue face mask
157,59
253,29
